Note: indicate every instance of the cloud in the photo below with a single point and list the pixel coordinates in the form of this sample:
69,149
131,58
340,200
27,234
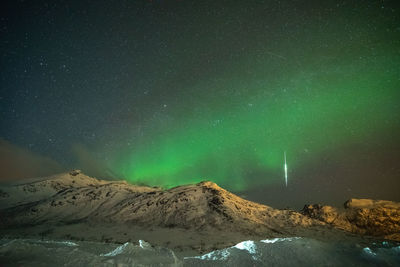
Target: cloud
18,163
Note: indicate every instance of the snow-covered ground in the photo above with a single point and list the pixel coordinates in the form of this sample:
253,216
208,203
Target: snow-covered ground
293,251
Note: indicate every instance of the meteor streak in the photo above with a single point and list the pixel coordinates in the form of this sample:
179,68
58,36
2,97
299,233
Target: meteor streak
285,169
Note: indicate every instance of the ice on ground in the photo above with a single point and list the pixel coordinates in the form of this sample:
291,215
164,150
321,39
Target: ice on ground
116,251
23,252
302,251
293,251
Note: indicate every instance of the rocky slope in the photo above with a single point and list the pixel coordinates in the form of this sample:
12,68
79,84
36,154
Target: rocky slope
200,217
30,191
75,197
362,216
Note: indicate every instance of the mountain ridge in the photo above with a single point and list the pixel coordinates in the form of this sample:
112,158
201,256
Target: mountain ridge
201,216
85,198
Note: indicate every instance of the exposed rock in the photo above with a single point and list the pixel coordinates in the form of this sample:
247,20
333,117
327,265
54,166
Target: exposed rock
3,194
362,216
75,172
326,214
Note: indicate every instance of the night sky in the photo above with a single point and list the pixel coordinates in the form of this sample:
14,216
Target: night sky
173,92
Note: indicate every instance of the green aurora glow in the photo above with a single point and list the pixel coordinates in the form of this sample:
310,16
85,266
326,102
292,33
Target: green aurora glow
314,113
307,85
171,92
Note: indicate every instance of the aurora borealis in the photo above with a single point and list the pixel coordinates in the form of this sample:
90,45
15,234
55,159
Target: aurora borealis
254,137
167,93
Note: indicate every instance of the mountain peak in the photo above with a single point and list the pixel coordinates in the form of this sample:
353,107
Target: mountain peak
75,172
210,184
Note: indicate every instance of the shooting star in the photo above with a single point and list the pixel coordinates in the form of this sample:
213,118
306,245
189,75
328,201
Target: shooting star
284,153
276,55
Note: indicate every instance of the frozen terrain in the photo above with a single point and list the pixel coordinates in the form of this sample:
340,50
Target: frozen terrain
294,251
102,223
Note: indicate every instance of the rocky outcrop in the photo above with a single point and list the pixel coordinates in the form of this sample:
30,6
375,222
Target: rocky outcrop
75,172
362,216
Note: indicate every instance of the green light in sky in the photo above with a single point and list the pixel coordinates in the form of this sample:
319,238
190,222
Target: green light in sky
243,144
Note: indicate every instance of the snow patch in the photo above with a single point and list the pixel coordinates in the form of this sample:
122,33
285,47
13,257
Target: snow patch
369,252
67,243
36,241
248,245
214,255
143,244
116,251
274,240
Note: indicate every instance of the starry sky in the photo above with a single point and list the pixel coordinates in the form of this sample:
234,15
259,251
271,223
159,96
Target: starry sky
172,92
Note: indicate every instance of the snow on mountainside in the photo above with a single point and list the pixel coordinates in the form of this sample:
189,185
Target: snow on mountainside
36,189
200,217
72,198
